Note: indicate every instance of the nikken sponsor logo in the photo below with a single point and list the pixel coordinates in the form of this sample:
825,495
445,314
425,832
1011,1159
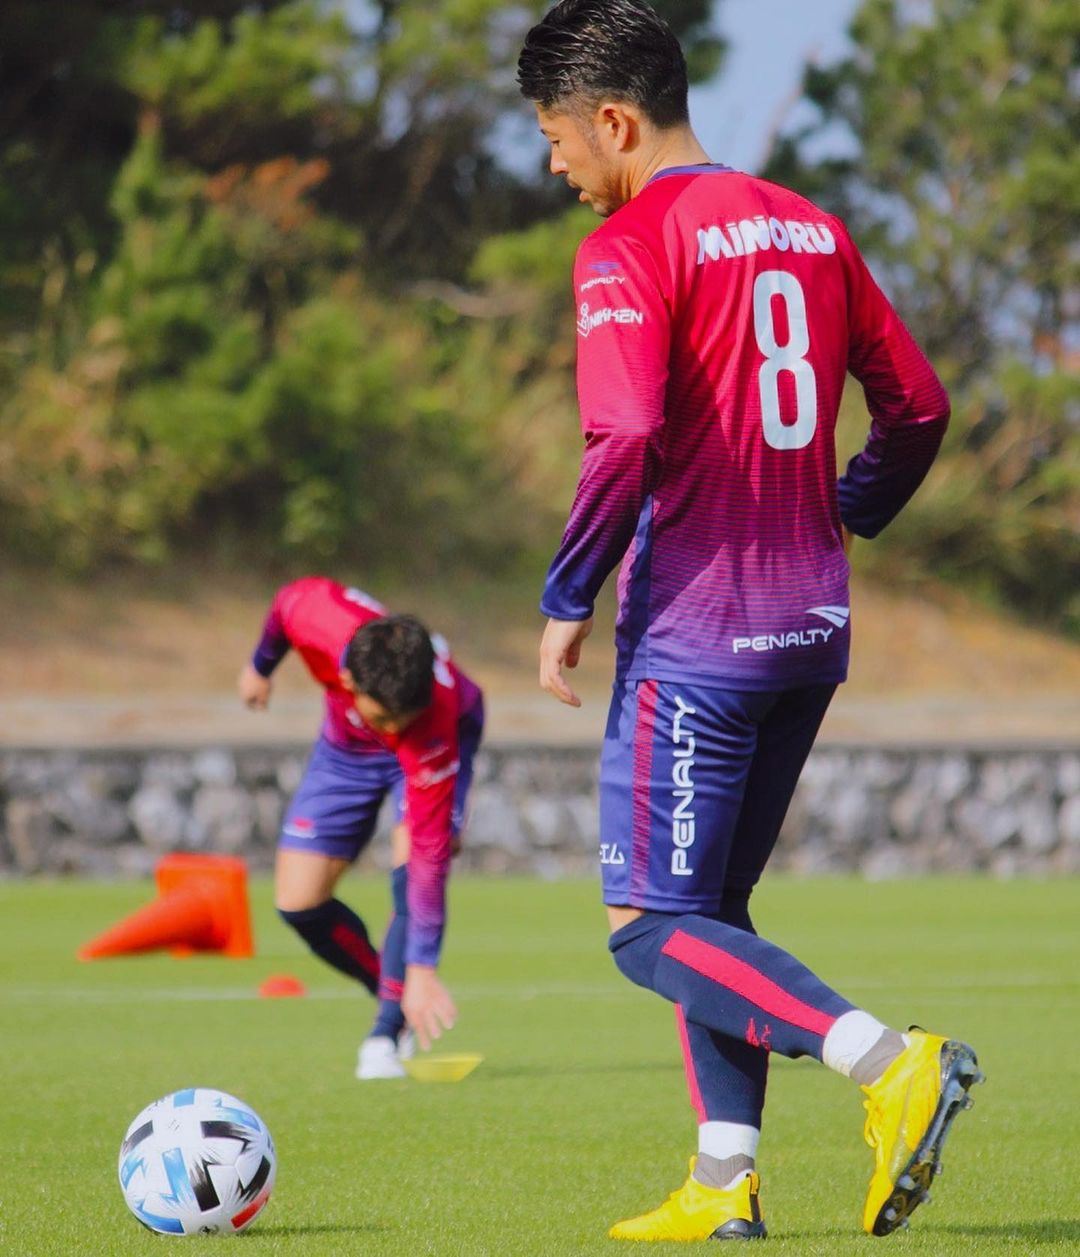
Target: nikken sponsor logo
755,235
682,815
589,320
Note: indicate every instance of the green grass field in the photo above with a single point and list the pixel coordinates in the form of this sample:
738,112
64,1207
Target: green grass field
578,1115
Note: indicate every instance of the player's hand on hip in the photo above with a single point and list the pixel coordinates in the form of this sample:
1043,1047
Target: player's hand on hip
561,647
426,1004
254,688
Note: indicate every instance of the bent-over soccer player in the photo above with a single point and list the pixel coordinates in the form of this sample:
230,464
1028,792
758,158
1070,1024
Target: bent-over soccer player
400,719
717,317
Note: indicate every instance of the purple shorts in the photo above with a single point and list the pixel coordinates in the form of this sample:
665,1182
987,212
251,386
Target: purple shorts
334,810
694,785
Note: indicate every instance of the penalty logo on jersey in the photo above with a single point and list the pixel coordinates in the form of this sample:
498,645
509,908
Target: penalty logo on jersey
762,642
837,616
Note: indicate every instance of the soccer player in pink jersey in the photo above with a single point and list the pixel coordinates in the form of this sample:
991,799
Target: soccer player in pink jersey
400,719
717,318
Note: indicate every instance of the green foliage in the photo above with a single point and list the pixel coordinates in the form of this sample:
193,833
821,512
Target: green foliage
285,63
965,193
208,212
226,377
542,256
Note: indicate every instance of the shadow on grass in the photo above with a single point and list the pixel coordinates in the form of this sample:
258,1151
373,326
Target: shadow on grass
827,1233
316,1228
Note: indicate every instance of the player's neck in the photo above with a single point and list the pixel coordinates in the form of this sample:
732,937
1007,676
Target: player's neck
676,146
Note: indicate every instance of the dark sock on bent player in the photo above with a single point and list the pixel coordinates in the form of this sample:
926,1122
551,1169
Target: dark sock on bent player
729,980
337,935
390,1020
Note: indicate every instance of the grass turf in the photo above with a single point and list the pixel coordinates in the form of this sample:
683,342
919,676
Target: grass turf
578,1115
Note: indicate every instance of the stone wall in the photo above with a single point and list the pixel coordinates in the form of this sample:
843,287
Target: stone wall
879,812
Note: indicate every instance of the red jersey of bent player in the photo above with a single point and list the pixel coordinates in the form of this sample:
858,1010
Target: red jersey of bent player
317,618
717,317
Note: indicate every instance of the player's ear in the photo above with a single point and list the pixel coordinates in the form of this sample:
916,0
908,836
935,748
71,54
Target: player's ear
346,679
620,123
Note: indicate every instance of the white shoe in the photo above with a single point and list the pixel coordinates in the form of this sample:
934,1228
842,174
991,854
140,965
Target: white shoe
406,1045
378,1058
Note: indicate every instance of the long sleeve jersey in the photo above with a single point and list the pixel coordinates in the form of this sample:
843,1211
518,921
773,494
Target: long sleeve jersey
317,618
717,317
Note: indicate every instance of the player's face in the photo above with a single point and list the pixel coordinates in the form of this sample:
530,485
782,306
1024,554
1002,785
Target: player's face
578,154
377,717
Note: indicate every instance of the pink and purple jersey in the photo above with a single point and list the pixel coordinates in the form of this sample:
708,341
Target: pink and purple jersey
717,318
317,618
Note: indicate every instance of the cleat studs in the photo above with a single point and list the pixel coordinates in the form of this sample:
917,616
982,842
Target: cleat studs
904,1224
890,1214
968,1103
938,1168
924,1199
906,1183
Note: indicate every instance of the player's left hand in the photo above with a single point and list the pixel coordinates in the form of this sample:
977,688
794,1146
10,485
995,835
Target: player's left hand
254,688
561,645
427,1004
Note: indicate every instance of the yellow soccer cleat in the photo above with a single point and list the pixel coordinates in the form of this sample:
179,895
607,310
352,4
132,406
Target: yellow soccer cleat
697,1212
909,1111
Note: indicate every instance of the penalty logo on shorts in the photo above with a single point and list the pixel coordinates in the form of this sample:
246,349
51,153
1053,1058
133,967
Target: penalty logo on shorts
682,816
300,827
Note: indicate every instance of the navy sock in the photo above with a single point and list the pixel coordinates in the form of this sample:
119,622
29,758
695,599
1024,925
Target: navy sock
729,980
389,1020
726,1076
337,935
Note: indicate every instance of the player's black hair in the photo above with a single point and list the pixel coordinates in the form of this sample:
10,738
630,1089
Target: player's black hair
391,661
585,50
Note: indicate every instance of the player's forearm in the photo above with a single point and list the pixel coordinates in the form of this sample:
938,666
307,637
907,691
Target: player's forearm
272,647
427,910
880,481
613,489
909,409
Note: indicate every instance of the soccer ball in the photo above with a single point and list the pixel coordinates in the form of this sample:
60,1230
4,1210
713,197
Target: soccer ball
197,1162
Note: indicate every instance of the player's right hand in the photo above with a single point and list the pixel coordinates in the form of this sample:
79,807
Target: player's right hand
426,1004
254,688
561,646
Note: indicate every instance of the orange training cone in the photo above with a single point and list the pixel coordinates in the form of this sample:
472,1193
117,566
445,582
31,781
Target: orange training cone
201,906
281,986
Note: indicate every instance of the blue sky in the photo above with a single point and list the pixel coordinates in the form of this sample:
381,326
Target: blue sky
769,42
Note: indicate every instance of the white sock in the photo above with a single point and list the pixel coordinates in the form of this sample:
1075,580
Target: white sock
728,1139
726,1153
849,1039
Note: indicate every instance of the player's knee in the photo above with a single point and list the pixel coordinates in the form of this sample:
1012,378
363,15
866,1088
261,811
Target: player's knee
636,947
302,883
399,844
299,915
